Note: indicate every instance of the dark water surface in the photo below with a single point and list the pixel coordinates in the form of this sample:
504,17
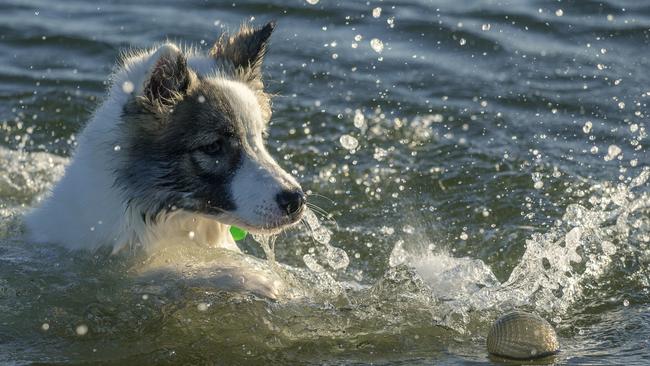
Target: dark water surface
500,164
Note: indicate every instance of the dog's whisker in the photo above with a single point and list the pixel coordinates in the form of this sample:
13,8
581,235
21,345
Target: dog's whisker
318,210
324,214
320,195
314,206
309,229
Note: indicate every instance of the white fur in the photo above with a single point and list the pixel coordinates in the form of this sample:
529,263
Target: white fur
85,210
259,180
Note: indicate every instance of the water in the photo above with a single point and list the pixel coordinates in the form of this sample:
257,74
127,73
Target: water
465,158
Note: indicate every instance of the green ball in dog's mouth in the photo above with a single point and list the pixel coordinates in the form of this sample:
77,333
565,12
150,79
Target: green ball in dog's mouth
238,233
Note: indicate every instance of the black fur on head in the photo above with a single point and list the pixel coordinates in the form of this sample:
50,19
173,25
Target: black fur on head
185,161
245,49
169,79
182,141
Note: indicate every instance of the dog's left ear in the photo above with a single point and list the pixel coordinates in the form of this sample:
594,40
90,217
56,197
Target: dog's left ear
168,77
245,49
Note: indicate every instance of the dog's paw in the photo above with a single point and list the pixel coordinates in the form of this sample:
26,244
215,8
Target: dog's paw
260,283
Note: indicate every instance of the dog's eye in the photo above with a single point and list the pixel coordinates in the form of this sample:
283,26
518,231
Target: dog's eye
212,149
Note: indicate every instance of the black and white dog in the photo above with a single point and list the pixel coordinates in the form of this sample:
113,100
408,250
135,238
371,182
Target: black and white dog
175,153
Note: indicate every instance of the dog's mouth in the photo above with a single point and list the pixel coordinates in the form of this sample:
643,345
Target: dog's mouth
267,225
258,216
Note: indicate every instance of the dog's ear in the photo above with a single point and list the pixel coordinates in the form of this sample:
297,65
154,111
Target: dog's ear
245,49
168,78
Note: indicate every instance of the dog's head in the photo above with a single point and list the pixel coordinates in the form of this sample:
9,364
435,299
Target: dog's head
195,141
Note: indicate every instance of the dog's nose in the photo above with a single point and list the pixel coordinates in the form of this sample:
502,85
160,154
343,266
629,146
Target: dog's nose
291,202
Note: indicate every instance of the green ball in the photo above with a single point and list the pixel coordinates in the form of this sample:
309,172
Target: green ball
237,233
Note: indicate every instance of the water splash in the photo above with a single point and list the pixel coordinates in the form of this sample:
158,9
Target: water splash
592,239
27,174
323,254
267,242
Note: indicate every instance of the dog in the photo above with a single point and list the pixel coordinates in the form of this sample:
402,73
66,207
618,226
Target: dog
175,153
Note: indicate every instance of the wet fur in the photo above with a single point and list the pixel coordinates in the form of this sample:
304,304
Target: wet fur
179,158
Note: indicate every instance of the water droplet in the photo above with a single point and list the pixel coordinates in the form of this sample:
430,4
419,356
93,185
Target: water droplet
559,12
359,119
377,45
45,327
376,12
612,152
81,330
349,142
486,27
626,302
462,41
587,127
202,306
127,87
312,2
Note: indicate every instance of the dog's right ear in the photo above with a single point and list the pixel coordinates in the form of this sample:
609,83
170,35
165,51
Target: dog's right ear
168,77
245,49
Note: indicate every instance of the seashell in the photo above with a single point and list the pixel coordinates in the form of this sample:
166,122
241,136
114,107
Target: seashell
521,335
